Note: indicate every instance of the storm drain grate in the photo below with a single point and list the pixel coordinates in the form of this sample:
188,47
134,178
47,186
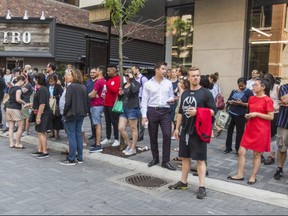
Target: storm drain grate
146,181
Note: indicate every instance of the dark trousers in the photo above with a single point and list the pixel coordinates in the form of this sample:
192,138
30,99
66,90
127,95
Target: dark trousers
93,129
111,118
273,125
162,117
140,128
239,122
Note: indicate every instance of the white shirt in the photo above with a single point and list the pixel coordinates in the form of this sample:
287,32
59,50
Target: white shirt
156,94
250,84
139,79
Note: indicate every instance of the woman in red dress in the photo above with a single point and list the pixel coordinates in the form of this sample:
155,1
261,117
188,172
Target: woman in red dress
257,132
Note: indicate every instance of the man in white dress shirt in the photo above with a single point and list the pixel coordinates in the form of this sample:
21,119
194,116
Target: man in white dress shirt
155,107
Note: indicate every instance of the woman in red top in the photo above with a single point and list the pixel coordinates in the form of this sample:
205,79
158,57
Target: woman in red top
257,132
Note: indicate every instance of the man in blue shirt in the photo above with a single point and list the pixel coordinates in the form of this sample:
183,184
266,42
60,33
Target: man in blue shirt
282,131
90,85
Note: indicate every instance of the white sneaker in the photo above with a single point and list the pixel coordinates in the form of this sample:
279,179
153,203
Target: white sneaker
105,142
130,152
126,149
116,143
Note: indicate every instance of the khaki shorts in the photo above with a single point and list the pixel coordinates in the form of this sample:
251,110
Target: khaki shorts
25,113
282,139
13,115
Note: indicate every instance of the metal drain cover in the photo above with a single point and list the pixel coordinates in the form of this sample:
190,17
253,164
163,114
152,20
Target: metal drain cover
146,181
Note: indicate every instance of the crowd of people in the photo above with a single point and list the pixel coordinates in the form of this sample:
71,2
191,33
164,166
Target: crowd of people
182,102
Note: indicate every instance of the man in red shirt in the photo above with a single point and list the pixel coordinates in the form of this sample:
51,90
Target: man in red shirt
97,96
112,89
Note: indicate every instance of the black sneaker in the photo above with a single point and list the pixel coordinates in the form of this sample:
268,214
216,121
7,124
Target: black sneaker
201,193
36,153
43,155
278,175
79,161
178,186
91,137
68,162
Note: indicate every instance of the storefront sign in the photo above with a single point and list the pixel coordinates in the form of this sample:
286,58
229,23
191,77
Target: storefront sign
25,38
15,37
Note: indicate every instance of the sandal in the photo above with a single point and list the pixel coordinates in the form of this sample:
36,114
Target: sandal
235,179
176,159
251,182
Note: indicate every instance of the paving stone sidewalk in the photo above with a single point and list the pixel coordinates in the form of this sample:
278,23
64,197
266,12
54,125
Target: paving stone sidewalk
219,165
44,187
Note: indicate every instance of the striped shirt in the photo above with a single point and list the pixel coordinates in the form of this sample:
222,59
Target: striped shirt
282,120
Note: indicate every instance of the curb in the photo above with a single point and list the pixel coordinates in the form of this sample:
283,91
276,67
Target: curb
247,192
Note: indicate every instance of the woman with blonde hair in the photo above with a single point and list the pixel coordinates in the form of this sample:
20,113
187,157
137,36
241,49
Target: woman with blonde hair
75,109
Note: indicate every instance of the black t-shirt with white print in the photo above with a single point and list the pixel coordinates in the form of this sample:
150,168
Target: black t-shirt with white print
194,98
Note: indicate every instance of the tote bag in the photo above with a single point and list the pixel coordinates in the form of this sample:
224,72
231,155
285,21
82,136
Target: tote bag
118,106
223,119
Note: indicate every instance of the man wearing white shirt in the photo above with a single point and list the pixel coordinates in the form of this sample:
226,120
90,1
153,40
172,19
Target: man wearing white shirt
157,96
254,75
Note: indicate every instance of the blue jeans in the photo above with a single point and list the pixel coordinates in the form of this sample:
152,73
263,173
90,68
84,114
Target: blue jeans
73,130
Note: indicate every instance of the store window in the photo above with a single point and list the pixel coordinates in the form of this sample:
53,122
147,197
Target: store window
179,36
268,38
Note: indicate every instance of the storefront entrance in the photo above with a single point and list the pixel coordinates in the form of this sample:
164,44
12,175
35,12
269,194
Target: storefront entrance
12,63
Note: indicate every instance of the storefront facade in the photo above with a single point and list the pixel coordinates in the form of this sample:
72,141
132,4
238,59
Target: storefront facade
63,38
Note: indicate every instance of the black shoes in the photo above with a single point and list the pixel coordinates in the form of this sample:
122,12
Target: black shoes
178,186
91,137
279,174
139,139
227,151
153,162
201,193
167,165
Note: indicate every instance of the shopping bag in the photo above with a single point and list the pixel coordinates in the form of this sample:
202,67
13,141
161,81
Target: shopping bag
52,103
223,119
118,106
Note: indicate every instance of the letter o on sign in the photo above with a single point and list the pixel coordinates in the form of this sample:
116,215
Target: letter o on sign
26,37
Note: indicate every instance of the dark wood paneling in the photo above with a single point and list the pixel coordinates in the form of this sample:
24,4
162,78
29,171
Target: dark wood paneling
139,51
71,43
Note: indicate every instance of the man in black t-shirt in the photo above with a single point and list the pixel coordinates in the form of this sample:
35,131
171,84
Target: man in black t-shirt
190,144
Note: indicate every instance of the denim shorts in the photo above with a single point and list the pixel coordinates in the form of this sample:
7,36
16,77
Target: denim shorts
96,112
131,113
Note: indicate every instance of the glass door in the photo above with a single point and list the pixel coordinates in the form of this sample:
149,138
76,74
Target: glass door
12,63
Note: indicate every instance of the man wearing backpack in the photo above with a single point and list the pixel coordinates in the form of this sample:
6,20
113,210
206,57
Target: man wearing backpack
142,80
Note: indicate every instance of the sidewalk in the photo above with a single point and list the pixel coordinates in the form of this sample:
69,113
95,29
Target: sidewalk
266,189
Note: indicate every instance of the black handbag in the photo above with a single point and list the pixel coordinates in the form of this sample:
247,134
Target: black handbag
32,117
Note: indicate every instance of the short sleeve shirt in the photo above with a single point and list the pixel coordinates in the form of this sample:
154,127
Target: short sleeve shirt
26,95
194,98
98,86
41,97
282,120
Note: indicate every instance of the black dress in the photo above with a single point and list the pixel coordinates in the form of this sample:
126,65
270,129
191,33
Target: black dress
57,122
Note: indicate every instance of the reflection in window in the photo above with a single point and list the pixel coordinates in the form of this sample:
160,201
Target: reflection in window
261,16
179,36
259,57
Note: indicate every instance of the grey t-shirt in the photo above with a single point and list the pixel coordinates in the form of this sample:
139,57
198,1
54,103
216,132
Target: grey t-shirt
27,95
